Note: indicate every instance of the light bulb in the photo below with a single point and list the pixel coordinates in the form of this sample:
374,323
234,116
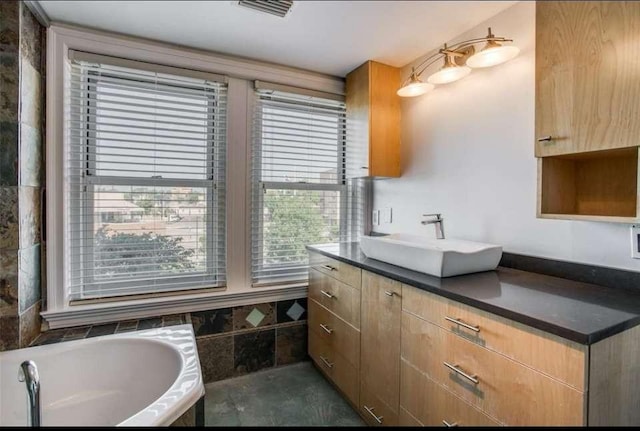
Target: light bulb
492,55
415,87
450,72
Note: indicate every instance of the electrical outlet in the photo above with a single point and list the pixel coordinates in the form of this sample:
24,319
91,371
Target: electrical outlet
635,241
375,217
387,216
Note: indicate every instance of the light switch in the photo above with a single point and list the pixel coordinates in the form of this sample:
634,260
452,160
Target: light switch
387,215
375,217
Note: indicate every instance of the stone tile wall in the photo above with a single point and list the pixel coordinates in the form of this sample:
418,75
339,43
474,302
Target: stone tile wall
22,53
241,340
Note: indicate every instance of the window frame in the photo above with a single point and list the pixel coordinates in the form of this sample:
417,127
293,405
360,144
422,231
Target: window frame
260,187
91,180
241,74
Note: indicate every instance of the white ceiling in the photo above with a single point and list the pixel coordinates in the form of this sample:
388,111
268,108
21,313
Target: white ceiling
332,37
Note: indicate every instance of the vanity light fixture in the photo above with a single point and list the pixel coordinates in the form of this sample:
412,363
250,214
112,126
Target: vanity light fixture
458,61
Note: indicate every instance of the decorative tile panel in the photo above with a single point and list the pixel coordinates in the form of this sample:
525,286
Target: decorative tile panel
253,351
8,145
29,277
216,357
9,26
30,96
291,344
255,317
174,319
9,221
30,38
127,326
30,322
30,156
76,333
292,310
9,332
8,282
240,315
212,321
99,330
30,217
154,322
67,334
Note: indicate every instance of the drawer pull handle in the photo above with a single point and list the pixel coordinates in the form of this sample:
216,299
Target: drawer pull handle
473,379
327,294
449,425
389,293
545,139
326,362
370,411
329,268
461,323
326,328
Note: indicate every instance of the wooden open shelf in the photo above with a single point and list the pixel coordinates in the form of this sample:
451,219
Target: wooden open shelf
597,185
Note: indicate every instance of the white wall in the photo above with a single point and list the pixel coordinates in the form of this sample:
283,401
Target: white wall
468,153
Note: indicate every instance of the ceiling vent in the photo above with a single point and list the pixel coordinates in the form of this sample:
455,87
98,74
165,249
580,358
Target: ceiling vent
274,7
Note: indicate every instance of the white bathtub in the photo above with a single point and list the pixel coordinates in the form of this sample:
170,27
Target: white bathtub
148,377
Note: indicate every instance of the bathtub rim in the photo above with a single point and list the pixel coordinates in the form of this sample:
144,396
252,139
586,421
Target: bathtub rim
172,336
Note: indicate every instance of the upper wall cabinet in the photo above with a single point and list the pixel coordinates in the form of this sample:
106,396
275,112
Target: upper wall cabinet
587,76
587,110
373,121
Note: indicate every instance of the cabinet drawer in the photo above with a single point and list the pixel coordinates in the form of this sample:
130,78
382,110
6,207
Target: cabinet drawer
335,332
373,410
335,366
432,405
554,356
341,271
336,296
504,389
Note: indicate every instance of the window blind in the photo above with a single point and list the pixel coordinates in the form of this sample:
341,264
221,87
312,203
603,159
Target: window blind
145,178
299,194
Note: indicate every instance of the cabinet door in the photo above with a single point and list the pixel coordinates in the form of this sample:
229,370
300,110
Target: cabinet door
358,115
380,344
587,86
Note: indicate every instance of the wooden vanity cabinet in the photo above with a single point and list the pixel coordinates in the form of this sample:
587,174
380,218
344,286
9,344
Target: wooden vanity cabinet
405,356
380,349
373,121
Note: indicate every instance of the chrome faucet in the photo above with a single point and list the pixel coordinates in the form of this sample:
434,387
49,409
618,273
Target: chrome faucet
438,222
28,373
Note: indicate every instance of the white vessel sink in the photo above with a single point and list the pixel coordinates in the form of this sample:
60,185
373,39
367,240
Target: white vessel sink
439,257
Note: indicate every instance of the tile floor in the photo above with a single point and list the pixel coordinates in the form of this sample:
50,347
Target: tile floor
294,395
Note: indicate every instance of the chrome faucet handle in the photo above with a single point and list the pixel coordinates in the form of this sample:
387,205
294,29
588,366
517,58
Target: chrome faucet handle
28,373
438,222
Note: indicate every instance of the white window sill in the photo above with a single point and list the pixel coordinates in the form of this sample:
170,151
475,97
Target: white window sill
105,312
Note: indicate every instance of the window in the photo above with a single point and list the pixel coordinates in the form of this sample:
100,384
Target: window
145,171
299,191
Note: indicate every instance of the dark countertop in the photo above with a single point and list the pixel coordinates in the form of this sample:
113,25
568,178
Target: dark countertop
581,312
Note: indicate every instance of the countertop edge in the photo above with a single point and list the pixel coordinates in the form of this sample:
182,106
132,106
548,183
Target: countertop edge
571,335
